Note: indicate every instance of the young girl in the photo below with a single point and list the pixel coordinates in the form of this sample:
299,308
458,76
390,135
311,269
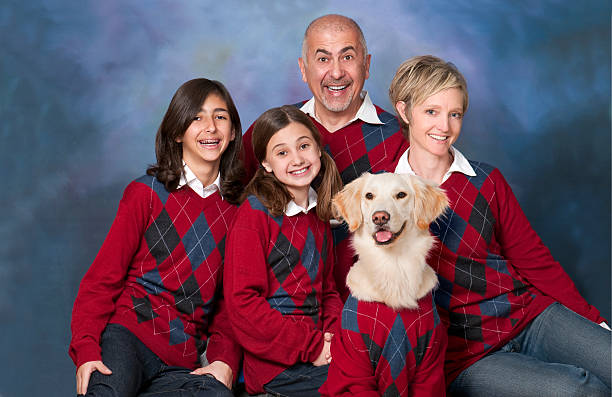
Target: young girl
517,325
279,284
144,311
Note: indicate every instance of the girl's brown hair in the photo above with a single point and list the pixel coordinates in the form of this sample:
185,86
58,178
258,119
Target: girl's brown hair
184,106
268,189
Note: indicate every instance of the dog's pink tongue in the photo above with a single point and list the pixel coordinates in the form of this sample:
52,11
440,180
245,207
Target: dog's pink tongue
383,235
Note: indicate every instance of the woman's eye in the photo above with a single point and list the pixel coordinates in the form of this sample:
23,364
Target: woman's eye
197,118
369,196
430,111
304,146
456,115
281,153
401,195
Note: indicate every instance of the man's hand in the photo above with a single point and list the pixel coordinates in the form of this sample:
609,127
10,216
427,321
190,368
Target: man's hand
84,373
220,370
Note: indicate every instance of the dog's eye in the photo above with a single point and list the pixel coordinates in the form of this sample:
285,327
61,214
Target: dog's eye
400,195
369,196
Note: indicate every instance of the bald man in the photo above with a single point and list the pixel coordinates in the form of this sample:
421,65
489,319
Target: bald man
360,136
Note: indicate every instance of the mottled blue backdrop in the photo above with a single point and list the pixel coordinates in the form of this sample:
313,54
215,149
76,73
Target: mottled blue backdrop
84,84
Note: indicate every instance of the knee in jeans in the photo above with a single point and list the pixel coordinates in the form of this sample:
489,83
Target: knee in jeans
588,385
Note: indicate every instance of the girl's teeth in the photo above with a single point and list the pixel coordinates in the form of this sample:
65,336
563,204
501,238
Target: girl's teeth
299,171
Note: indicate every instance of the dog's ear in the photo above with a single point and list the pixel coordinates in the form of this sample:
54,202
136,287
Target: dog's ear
430,201
347,203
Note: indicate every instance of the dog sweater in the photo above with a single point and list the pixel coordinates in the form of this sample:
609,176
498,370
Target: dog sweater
495,273
158,273
383,352
279,288
356,148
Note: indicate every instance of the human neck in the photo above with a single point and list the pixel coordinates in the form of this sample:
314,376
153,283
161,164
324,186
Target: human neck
429,166
333,121
206,172
300,196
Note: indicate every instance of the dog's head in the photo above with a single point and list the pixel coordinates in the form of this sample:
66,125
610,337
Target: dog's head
386,206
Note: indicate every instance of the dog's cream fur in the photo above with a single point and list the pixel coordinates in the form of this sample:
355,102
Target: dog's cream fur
394,273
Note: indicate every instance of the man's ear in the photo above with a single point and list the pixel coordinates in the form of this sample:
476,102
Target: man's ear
367,66
302,69
347,203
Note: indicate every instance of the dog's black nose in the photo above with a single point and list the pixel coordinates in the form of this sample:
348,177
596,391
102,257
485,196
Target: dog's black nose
380,217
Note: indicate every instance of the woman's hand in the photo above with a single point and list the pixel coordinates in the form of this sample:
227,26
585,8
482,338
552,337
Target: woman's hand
325,355
220,370
84,373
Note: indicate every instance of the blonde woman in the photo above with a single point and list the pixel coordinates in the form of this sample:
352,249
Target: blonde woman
517,325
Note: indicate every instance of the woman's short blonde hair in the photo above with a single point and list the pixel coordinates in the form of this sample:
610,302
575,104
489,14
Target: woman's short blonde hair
420,77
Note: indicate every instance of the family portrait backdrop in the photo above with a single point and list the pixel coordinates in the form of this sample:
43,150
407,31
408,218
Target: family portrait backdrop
84,86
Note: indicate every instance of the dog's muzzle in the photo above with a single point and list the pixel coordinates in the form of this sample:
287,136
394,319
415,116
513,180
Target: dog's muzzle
383,236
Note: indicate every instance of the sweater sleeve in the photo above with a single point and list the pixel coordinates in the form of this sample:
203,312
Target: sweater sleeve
261,330
531,258
332,304
104,281
350,372
222,344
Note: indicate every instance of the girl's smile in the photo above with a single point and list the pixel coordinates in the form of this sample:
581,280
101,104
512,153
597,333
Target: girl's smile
293,156
208,135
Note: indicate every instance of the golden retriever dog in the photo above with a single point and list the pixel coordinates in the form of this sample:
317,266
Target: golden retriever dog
389,215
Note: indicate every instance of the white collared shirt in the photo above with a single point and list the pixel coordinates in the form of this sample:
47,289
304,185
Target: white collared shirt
190,179
459,164
366,112
294,209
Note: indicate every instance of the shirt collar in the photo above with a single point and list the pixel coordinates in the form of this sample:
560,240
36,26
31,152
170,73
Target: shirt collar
459,164
190,179
294,209
366,112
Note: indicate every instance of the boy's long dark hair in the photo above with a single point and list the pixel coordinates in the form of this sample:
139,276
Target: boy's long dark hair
184,106
273,193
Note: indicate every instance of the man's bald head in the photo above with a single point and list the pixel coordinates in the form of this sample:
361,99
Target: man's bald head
333,23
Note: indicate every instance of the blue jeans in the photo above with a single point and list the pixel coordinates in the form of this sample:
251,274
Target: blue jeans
137,371
300,380
558,354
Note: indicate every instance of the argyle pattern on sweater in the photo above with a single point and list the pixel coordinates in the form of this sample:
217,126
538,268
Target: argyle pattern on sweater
395,353
356,148
481,297
175,270
279,288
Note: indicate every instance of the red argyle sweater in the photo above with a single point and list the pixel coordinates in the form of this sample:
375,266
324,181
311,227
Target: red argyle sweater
279,289
157,274
382,352
356,148
495,273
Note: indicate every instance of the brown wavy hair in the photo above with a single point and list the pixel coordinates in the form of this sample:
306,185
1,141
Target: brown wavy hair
268,189
183,108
